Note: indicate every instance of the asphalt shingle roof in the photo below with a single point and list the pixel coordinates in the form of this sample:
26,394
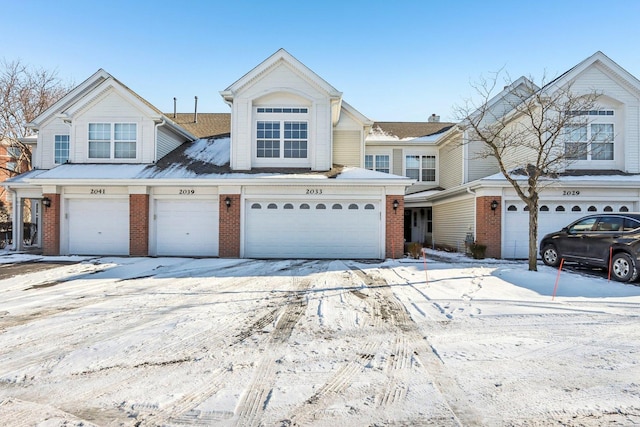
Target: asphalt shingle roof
209,124
412,129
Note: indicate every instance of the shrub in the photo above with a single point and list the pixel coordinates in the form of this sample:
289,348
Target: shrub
477,250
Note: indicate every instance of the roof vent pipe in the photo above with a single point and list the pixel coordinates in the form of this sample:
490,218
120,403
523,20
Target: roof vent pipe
434,118
174,107
195,113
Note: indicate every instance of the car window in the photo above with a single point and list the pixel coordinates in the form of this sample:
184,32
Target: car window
630,224
583,225
610,223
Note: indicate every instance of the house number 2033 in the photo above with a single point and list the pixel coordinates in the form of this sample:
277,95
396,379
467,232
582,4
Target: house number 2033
314,191
570,192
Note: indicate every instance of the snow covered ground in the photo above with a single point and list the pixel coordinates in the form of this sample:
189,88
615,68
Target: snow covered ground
175,341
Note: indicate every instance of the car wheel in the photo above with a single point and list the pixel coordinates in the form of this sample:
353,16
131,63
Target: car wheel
623,268
550,256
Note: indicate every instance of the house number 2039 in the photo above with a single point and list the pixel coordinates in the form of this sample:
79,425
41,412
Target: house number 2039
314,191
570,192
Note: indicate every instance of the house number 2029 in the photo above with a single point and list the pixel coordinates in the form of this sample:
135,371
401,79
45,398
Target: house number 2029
570,192
314,191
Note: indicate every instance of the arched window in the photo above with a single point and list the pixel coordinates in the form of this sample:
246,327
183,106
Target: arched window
576,208
544,208
512,208
321,206
336,206
288,206
256,206
592,209
526,209
272,206
304,206
608,209
560,209
369,206
624,209
353,206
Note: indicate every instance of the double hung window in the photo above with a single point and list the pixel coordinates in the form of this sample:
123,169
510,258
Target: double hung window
112,140
590,141
61,149
421,168
377,162
284,135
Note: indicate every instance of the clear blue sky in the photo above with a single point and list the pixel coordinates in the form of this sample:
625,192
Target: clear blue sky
393,60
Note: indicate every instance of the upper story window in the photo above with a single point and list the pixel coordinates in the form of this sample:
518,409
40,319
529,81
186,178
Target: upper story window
11,166
112,140
377,162
14,152
61,149
593,140
421,168
282,139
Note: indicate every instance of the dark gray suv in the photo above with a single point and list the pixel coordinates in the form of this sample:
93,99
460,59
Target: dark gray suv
591,240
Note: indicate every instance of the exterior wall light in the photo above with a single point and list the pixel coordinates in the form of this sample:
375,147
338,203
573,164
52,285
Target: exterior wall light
396,204
227,202
494,205
46,202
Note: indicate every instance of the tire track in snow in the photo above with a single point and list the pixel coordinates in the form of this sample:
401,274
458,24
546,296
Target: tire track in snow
258,391
458,404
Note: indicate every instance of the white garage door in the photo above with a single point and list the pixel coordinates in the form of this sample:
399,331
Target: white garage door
186,227
98,227
552,217
318,229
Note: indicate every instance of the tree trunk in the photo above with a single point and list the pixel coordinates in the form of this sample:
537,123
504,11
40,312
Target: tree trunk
533,233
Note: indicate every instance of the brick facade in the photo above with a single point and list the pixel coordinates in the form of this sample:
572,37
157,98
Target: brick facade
51,226
394,228
138,224
229,240
489,225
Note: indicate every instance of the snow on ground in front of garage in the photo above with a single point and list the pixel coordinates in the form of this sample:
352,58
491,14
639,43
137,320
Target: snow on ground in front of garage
178,341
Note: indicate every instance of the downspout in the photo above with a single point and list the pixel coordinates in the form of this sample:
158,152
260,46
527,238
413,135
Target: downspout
14,219
475,213
155,137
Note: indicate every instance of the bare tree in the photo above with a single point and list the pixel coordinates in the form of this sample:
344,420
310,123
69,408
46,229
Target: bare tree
524,131
25,92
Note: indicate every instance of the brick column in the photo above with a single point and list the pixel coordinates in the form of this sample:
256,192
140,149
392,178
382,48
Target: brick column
229,230
139,224
489,225
394,235
51,226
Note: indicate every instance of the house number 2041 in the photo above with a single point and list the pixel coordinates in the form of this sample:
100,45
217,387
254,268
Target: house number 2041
314,191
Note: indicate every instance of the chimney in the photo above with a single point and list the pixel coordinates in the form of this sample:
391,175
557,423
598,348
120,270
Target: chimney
174,107
433,118
195,113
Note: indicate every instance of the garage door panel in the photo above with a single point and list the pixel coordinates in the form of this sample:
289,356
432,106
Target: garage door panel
186,227
313,232
98,227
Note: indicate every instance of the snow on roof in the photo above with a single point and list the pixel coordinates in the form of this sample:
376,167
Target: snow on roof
586,176
201,159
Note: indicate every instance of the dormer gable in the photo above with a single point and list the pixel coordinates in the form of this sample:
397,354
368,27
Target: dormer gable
103,121
283,115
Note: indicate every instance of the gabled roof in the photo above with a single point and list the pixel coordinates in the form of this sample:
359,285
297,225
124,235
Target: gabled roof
409,130
207,125
281,56
597,58
98,82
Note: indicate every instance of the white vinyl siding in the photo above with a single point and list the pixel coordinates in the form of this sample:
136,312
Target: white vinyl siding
452,221
450,157
167,142
346,148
